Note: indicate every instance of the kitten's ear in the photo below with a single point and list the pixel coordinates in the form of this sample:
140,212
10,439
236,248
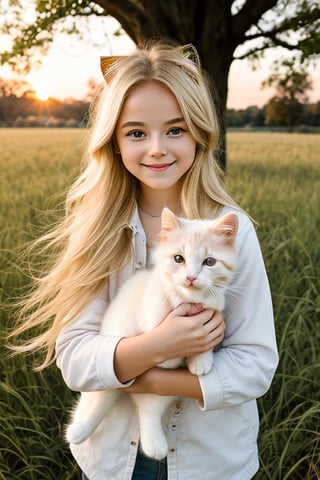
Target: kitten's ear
227,226
169,223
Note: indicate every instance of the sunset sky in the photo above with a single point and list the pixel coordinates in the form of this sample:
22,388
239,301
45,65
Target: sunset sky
69,65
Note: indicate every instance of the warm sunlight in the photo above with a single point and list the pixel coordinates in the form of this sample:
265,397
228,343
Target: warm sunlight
41,87
42,93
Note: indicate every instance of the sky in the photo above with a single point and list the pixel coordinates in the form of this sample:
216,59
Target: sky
69,65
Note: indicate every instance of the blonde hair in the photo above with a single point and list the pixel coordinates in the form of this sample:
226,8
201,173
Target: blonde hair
94,240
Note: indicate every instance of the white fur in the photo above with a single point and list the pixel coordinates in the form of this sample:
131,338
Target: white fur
145,300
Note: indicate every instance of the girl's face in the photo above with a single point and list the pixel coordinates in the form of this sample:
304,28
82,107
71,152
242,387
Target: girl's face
154,141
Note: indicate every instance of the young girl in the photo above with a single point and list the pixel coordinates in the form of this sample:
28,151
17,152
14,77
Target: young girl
153,135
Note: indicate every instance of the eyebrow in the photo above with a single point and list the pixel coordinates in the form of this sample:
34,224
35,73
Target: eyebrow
141,124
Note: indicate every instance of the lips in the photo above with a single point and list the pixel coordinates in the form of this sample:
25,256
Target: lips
162,167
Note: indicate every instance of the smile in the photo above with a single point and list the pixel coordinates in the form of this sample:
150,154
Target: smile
159,167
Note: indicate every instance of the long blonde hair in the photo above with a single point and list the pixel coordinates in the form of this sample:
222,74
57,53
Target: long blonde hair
94,239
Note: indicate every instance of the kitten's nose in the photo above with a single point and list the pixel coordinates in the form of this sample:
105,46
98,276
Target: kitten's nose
191,278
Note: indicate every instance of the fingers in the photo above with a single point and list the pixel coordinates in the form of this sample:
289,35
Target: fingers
212,320
209,328
182,334
188,309
217,322
218,329
216,325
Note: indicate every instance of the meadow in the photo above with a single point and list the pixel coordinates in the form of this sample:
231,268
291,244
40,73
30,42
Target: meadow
276,178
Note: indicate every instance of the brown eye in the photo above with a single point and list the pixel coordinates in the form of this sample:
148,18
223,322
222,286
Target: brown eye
210,261
178,259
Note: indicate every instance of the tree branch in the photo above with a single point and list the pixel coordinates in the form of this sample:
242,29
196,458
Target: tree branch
249,15
142,19
128,13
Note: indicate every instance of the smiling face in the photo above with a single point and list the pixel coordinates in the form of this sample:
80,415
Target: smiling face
154,141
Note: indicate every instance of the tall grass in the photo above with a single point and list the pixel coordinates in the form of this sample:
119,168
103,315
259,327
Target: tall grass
276,178
35,165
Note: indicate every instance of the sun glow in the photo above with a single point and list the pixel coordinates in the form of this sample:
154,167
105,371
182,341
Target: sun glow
41,87
42,93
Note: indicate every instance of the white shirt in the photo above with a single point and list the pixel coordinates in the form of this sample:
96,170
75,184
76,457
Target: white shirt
216,441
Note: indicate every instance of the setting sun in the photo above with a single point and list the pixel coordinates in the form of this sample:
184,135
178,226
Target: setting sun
42,93
41,87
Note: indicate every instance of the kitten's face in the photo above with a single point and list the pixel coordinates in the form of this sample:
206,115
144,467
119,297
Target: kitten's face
197,255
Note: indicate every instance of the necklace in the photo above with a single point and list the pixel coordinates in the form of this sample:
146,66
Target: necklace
153,216
149,214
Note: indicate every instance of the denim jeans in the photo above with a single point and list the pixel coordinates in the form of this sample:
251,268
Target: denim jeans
149,469
146,469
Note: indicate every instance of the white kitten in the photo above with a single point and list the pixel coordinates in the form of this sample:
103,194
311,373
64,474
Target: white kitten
194,262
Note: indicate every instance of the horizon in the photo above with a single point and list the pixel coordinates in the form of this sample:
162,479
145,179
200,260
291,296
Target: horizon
67,68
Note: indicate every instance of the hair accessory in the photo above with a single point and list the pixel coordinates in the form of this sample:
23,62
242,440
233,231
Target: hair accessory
189,51
107,62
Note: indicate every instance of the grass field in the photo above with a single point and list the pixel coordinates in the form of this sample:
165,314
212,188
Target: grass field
276,177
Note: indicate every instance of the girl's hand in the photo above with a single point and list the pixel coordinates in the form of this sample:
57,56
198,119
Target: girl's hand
188,330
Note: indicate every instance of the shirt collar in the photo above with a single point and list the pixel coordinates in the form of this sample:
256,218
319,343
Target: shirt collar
135,221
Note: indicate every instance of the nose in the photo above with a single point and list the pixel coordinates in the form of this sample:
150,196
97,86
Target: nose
157,148
191,278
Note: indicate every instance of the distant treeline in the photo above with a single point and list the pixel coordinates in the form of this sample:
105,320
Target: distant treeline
273,114
28,111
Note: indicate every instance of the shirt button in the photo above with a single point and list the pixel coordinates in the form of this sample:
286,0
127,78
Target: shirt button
172,450
178,406
133,443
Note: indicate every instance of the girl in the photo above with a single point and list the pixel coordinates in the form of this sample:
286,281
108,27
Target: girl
153,135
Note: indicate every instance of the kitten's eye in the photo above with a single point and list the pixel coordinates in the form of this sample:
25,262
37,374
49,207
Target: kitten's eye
178,259
210,261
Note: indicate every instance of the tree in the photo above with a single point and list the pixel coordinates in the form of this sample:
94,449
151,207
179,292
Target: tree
216,27
311,114
286,108
283,112
14,87
250,117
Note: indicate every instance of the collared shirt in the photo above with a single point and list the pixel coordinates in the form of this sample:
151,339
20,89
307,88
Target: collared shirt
213,441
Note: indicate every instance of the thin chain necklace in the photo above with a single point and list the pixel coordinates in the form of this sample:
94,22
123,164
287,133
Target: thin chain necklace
154,216
149,214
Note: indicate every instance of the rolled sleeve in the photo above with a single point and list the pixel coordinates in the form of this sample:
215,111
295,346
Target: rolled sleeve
84,356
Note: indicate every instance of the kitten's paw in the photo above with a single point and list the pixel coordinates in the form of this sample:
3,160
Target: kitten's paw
155,448
78,432
200,364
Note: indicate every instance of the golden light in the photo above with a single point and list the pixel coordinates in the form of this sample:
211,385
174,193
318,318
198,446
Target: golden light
41,87
42,93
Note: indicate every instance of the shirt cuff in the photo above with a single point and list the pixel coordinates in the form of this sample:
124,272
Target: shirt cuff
212,392
105,368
